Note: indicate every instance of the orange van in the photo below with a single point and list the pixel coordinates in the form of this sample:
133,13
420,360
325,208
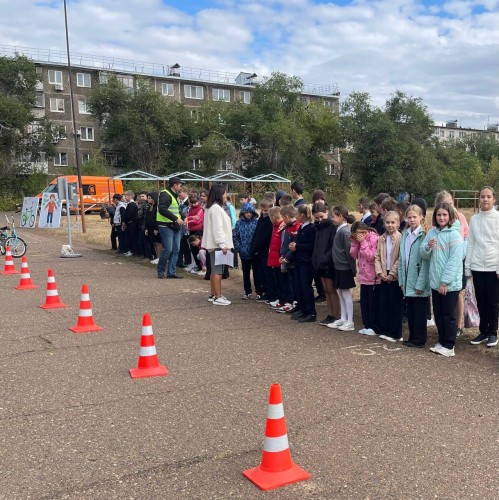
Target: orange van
96,190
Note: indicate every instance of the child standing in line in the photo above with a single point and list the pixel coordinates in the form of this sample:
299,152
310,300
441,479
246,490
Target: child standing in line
443,246
260,250
482,263
273,264
344,268
322,260
289,234
302,250
413,278
386,266
364,241
464,230
242,235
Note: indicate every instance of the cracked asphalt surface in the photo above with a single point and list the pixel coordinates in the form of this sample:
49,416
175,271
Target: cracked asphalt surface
367,420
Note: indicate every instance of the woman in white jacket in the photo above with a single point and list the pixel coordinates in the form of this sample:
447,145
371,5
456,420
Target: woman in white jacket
217,236
482,263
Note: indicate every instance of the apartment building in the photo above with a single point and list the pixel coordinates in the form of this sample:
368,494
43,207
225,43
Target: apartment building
452,131
189,86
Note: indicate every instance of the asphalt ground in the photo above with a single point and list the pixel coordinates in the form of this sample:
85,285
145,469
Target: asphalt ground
367,419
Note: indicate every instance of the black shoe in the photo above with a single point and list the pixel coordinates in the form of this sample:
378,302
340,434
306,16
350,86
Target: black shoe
408,343
492,342
293,310
161,276
297,315
320,298
327,320
175,277
479,339
309,318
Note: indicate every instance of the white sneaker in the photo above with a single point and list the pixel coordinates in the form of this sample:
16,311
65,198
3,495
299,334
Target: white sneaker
436,347
194,270
390,339
128,254
285,308
155,261
370,332
445,352
189,268
211,298
221,301
362,331
274,304
201,272
336,324
430,323
348,326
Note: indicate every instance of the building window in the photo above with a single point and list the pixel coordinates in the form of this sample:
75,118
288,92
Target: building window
245,96
329,104
331,169
167,89
55,77
451,134
126,80
193,92
83,80
196,164
61,160
39,72
85,158
82,108
442,133
58,133
195,115
39,100
114,159
86,133
221,95
56,105
462,135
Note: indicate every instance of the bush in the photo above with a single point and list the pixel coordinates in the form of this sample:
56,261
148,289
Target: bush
8,203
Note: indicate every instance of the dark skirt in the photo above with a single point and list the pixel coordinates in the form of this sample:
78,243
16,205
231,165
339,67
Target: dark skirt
329,274
343,279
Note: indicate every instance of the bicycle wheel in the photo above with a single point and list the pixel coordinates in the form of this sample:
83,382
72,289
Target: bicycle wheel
32,221
17,246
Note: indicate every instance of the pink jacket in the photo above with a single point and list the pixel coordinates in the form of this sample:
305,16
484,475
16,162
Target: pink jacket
364,253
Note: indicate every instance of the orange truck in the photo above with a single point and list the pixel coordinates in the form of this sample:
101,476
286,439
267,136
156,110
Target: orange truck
96,190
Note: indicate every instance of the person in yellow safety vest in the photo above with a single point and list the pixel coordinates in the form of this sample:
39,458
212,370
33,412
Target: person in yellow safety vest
169,225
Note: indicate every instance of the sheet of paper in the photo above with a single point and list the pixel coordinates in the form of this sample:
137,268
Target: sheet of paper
227,259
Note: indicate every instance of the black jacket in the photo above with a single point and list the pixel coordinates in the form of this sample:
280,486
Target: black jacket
261,238
131,213
324,237
305,241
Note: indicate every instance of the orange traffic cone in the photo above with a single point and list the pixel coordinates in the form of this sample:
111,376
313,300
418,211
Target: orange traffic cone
52,300
25,283
9,263
148,365
277,469
85,317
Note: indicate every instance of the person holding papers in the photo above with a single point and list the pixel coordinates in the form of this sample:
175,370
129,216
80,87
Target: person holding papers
217,238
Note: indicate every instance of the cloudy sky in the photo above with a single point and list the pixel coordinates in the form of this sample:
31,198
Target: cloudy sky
443,51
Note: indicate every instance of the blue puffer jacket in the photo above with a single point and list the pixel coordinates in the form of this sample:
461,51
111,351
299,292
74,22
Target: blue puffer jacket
446,259
244,231
413,272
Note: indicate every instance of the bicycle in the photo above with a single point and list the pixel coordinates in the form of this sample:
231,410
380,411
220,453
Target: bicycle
9,238
28,218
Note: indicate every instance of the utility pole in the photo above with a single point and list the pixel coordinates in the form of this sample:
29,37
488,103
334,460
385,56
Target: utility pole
75,138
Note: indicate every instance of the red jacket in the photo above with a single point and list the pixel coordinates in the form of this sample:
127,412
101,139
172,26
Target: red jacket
195,217
275,247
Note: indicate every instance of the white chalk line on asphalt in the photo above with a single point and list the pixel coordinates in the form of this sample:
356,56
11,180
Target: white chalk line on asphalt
369,349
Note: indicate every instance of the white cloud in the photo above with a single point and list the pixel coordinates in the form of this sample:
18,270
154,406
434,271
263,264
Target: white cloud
443,53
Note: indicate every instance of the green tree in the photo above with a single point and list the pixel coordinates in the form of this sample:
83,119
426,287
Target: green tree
153,131
23,140
390,149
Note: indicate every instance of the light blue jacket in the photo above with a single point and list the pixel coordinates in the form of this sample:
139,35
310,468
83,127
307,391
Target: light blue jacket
446,259
414,273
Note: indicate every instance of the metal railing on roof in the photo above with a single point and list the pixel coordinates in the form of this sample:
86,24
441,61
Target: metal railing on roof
119,65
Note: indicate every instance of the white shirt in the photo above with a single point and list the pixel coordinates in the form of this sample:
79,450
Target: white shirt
410,239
